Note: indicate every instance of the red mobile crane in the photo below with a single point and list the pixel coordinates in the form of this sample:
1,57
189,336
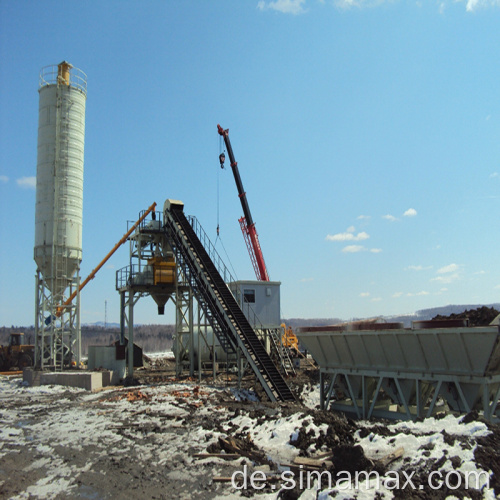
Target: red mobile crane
246,222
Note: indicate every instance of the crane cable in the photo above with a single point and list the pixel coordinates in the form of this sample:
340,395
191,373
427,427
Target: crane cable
222,158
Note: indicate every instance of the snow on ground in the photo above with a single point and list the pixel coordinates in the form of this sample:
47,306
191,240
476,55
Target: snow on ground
160,355
310,396
59,442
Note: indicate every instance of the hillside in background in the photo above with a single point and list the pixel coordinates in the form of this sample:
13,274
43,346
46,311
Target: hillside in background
406,319
157,338
436,312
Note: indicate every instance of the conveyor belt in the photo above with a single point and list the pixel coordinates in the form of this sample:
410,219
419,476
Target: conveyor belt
227,319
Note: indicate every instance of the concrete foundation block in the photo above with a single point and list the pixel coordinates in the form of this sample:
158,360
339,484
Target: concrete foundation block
91,381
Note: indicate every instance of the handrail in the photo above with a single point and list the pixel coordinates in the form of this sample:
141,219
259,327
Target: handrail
49,76
223,270
210,249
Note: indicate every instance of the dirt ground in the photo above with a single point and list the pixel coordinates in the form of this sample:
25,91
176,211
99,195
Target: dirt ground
145,441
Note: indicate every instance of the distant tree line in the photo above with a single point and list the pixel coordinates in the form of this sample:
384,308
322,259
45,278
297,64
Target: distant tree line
152,338
157,338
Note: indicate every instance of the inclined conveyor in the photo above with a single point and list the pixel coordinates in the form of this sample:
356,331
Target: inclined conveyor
232,328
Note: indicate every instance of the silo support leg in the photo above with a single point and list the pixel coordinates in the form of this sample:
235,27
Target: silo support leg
403,399
375,397
130,344
325,392
434,399
321,390
353,396
420,403
331,390
122,318
364,395
494,403
462,396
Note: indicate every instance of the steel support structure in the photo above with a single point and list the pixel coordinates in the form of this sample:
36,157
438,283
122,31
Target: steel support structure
57,325
128,299
407,396
184,327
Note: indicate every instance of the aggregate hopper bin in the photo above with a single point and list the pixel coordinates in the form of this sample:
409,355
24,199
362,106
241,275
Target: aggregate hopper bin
410,367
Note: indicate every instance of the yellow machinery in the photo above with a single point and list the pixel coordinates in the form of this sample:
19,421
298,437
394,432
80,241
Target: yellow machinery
289,339
17,354
163,270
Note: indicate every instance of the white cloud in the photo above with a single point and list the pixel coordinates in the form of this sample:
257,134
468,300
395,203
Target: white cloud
389,217
347,4
376,299
348,236
352,248
450,268
364,217
470,5
473,5
27,182
4,178
446,279
448,274
397,295
284,6
418,294
364,294
494,175
351,229
417,268
411,212
375,250
305,280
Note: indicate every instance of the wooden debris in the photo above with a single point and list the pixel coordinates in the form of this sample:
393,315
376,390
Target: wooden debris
137,396
226,456
313,462
385,461
245,448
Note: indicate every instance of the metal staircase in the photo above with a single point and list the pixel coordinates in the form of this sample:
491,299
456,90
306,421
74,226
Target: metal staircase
223,312
281,355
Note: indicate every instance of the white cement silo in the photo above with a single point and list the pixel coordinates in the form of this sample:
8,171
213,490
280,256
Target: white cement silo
59,191
58,216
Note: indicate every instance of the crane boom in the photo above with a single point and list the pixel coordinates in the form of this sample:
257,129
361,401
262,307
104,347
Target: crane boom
246,222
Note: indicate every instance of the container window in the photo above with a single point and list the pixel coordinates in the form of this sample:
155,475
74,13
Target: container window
249,296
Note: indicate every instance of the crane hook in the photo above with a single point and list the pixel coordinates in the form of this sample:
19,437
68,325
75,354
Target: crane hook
222,159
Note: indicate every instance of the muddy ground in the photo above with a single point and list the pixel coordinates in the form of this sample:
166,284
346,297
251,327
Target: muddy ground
143,441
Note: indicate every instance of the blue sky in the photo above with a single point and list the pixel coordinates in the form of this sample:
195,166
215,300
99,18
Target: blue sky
367,135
